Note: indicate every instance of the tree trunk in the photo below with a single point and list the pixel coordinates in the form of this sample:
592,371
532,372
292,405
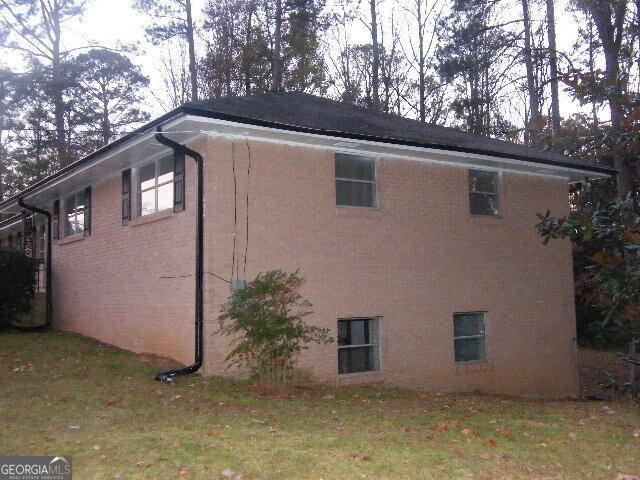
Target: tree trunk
276,66
375,67
56,80
592,68
534,103
246,59
193,73
106,124
610,26
553,68
421,64
3,171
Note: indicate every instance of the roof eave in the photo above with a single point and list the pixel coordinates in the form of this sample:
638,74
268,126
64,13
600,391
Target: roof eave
191,110
71,167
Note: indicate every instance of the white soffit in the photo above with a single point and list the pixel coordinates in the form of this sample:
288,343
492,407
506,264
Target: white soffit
366,147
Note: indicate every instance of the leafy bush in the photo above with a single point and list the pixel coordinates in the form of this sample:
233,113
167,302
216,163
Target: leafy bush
266,322
17,273
606,238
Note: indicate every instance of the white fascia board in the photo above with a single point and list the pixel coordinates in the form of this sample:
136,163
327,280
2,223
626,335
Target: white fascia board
368,147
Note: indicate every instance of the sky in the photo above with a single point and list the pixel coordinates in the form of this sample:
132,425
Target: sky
113,22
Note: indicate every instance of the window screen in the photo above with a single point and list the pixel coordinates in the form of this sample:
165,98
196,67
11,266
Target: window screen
355,181
469,336
358,347
484,193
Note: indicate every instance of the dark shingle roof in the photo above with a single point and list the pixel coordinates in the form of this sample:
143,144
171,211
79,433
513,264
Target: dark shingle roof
304,112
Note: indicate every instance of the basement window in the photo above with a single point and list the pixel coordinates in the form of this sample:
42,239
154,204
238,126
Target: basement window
355,181
155,186
358,345
484,193
74,214
469,336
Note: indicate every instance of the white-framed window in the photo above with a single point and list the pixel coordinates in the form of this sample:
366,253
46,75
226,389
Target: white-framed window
484,193
358,345
469,336
155,186
74,214
355,181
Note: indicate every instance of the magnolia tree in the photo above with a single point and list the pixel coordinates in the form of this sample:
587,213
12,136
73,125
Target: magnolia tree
266,323
608,236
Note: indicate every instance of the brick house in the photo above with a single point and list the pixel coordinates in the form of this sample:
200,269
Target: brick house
417,242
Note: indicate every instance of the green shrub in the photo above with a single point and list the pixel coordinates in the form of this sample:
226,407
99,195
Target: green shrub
17,273
607,238
266,322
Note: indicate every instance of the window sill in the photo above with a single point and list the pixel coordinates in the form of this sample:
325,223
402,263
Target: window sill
488,218
347,211
71,239
372,374
473,365
154,217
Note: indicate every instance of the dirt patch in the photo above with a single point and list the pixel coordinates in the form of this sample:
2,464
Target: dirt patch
160,362
601,373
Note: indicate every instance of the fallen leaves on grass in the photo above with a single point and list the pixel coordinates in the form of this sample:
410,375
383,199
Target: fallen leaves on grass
27,367
230,474
492,443
182,472
143,465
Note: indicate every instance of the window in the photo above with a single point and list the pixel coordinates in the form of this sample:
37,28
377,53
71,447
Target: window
484,193
355,181
74,214
358,345
42,241
155,186
469,336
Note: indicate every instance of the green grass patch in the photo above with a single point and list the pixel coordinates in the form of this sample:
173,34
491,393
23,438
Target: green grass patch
61,394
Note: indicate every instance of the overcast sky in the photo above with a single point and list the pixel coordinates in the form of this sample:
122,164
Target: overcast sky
113,22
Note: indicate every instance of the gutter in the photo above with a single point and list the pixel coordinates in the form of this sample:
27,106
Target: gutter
49,293
199,303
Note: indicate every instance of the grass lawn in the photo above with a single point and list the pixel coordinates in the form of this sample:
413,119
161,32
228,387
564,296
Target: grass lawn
61,394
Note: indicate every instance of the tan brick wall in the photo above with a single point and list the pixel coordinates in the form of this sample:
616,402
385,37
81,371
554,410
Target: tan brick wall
108,285
415,261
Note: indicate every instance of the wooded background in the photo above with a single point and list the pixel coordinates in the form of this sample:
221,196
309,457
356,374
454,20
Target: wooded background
491,67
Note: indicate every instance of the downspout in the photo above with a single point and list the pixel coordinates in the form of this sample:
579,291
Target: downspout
49,293
199,334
